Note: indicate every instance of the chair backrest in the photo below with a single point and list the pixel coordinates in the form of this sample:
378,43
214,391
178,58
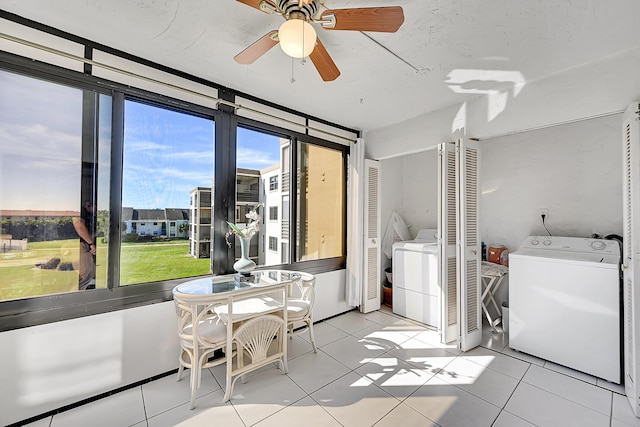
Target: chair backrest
307,284
193,312
256,335
185,318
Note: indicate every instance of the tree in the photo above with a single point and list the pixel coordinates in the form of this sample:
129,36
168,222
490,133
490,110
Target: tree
183,228
103,224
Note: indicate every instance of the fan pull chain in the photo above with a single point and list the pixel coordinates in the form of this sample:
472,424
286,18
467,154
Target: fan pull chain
293,80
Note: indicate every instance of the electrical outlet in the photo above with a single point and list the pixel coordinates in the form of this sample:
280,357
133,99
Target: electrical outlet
543,211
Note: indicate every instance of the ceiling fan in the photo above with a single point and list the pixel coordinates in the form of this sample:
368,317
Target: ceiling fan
298,38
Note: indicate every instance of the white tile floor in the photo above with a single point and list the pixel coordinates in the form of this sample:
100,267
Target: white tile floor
375,369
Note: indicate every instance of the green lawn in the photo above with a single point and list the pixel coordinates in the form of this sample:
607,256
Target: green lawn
151,262
139,263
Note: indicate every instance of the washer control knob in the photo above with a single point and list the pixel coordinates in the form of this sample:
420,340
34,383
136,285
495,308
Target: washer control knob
546,242
598,245
535,242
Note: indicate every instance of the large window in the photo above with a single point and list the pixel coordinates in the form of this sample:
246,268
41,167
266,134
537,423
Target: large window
320,202
259,159
319,227
166,186
54,187
108,186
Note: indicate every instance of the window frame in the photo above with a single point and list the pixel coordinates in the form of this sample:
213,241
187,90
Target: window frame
15,314
274,240
272,210
295,137
300,232
273,183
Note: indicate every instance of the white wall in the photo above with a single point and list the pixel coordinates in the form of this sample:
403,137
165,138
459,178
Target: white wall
574,170
410,187
330,295
525,105
416,134
49,366
272,228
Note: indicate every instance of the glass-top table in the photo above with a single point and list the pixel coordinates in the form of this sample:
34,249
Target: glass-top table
239,302
219,285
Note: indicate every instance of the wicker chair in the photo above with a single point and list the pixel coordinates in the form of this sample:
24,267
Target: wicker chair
201,333
253,341
300,309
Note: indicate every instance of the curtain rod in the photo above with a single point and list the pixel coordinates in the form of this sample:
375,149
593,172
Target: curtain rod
162,83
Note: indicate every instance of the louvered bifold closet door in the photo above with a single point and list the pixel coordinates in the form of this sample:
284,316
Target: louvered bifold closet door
469,260
372,225
631,250
447,214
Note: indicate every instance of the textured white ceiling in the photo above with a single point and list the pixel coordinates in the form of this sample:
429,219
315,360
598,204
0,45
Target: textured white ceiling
446,52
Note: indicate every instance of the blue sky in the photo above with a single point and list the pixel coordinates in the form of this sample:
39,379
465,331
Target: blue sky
167,153
40,141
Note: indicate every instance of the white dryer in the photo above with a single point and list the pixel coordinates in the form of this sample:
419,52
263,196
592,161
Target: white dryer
416,294
564,303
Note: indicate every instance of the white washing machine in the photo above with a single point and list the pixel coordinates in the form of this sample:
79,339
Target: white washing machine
416,294
564,303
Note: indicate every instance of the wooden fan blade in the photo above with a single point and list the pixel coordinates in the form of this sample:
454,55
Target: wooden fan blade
381,19
323,62
258,48
256,3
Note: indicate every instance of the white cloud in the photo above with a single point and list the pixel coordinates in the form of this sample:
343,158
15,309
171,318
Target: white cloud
248,156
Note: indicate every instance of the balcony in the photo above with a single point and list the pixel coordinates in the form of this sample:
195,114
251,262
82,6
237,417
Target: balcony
248,196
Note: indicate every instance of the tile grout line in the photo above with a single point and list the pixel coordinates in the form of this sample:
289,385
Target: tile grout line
503,409
144,406
351,370
399,401
433,375
570,400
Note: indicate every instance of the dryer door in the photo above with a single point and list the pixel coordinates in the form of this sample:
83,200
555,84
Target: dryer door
415,285
416,271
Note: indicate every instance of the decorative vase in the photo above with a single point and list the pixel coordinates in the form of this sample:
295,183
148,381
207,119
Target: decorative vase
244,265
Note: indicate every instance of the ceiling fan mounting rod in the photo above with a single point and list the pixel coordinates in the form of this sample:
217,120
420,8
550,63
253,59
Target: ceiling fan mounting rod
287,7
298,15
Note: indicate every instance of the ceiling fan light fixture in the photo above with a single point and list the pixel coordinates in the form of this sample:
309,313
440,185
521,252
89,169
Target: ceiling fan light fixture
297,38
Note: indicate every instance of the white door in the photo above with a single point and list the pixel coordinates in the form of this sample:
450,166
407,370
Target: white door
447,214
468,248
372,224
631,250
